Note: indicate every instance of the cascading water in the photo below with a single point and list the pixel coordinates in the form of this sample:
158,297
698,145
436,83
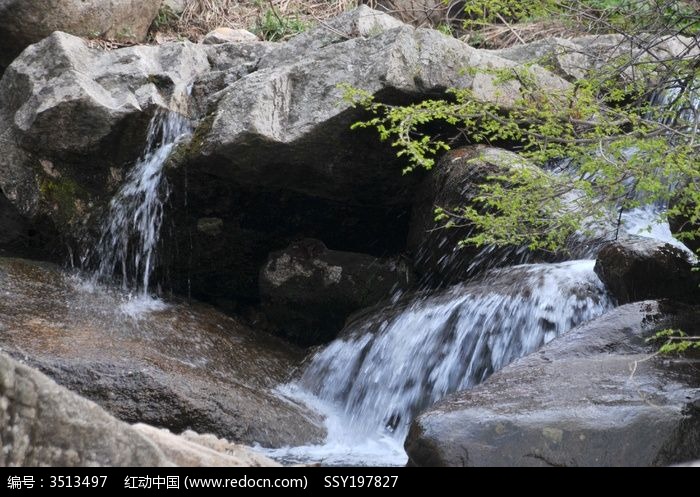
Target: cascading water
385,368
131,228
399,364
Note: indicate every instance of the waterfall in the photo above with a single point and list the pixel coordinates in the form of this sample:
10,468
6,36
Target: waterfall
131,227
404,362
388,366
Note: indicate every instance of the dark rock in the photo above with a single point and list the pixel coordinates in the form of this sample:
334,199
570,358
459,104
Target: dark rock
44,424
309,291
180,366
19,236
13,227
642,268
683,219
451,184
593,397
222,266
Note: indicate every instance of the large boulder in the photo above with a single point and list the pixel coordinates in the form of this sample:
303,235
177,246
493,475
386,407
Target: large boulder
639,268
73,119
308,291
175,366
287,125
593,397
23,22
44,424
574,58
452,184
273,158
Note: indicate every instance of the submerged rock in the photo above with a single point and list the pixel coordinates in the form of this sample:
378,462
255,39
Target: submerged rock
308,291
182,367
593,397
642,268
44,424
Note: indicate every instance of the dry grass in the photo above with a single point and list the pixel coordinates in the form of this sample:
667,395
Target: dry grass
497,36
202,16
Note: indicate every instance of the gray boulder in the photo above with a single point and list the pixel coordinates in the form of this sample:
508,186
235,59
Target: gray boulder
642,268
573,58
181,367
287,125
44,424
593,397
683,221
274,157
308,291
23,22
73,119
229,35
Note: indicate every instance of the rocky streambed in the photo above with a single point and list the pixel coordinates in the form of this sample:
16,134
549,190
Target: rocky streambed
301,299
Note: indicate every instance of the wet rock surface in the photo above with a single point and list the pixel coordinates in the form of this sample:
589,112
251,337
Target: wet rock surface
641,268
44,424
73,120
388,364
181,367
593,397
452,184
308,291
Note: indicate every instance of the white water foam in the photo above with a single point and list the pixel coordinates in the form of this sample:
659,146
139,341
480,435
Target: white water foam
343,447
647,222
384,369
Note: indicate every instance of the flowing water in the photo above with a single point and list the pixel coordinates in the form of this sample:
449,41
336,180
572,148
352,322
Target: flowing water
393,362
131,228
389,365
385,368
